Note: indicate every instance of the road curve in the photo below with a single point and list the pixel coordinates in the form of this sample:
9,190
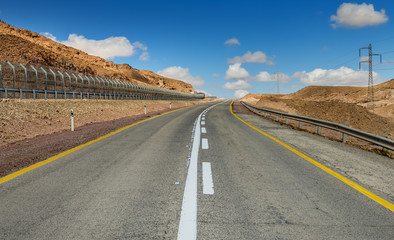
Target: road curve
131,185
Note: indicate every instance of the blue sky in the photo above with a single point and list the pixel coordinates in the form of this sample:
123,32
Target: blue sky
308,42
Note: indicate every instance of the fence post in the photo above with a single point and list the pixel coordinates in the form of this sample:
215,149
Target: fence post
24,68
35,70
13,75
46,82
54,78
64,93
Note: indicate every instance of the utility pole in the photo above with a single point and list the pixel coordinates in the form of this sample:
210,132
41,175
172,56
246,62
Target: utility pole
277,82
370,78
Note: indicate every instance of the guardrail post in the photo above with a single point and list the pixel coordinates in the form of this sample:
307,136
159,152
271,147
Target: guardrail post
20,93
5,94
299,124
287,121
34,94
318,130
344,135
277,118
383,148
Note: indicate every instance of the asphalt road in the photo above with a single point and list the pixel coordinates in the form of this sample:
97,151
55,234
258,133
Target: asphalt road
131,185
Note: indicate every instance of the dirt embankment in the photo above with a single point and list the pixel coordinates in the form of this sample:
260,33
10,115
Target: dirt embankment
33,131
25,119
337,104
26,47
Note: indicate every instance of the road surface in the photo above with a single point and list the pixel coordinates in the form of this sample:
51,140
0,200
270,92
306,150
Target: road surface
187,175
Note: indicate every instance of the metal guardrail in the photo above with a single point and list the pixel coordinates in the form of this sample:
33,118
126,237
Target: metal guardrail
17,80
369,137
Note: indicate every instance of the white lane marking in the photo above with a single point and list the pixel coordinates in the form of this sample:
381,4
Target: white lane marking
205,143
203,130
188,222
203,118
207,182
202,122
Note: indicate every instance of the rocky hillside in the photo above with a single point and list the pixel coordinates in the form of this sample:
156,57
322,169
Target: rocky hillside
337,104
23,46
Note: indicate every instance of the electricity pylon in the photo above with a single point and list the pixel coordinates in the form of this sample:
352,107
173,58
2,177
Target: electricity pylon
370,78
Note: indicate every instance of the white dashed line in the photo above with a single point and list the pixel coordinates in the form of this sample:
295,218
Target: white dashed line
202,122
203,130
188,222
207,182
205,143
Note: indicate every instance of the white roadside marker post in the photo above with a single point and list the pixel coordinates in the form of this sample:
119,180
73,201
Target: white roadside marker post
72,120
145,108
170,105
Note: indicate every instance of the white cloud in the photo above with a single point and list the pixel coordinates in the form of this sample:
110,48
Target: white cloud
238,85
235,71
215,75
342,76
49,35
358,15
108,48
256,57
141,46
231,42
182,74
144,56
266,77
240,93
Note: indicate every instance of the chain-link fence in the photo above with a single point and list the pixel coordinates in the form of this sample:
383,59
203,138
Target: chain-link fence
19,81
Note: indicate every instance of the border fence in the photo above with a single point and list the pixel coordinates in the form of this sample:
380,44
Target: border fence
29,82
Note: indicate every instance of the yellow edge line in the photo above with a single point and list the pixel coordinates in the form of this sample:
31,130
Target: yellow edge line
326,169
20,172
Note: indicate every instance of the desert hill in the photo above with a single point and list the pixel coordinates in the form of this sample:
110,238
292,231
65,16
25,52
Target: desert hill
337,104
26,47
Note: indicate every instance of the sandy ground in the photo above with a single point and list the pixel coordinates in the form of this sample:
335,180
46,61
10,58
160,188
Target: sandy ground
24,119
36,130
